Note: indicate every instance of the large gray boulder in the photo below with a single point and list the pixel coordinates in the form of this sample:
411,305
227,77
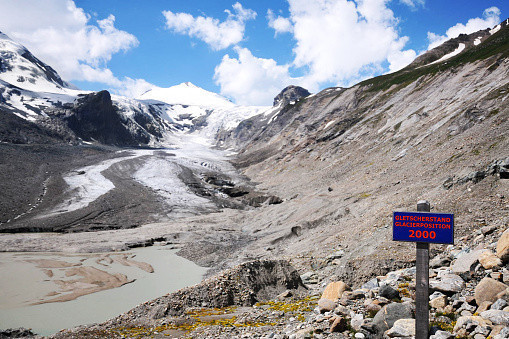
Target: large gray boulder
387,316
448,283
498,317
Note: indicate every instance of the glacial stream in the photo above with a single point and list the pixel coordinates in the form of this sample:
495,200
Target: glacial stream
23,281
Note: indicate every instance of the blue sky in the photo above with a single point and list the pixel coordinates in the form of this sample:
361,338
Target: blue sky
245,50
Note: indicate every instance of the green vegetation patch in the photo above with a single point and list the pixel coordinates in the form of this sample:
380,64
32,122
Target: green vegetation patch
497,44
294,307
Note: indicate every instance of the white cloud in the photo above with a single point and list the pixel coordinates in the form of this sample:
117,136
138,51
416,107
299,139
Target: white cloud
64,36
400,59
354,40
251,80
218,35
338,42
279,24
413,3
491,17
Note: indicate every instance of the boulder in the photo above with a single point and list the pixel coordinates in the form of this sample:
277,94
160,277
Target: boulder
334,290
309,278
442,335
439,302
373,283
339,325
497,317
483,307
388,292
471,321
402,328
499,304
489,260
503,246
449,283
326,305
466,262
487,290
387,316
502,334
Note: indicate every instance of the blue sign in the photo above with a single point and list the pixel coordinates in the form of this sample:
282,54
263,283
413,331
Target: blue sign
437,228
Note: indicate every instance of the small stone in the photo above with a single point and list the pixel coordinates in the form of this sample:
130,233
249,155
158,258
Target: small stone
487,290
359,335
499,304
339,325
309,278
497,317
373,308
373,283
442,335
489,260
358,294
435,294
485,305
439,261
388,292
488,229
326,305
402,328
439,302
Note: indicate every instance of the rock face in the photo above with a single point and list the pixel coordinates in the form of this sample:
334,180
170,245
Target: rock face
290,94
94,117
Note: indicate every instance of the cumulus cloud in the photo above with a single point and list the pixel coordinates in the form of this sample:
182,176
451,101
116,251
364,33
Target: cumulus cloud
251,80
279,24
413,3
218,35
65,37
354,39
337,42
490,18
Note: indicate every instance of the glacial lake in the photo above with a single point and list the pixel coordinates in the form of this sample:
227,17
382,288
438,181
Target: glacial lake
23,283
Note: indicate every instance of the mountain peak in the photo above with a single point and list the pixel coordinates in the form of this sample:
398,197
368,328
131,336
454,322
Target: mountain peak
186,93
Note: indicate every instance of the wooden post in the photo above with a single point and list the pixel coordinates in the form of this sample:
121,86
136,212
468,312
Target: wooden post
422,283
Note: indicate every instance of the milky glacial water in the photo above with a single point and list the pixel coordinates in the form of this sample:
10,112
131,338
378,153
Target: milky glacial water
20,281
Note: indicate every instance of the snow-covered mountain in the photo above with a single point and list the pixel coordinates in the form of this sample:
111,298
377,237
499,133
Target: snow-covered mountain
186,94
34,91
21,68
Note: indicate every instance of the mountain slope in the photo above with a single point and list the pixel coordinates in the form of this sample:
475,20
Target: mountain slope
20,67
344,159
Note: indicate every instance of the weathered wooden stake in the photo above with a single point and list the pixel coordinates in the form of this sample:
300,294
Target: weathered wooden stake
422,283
